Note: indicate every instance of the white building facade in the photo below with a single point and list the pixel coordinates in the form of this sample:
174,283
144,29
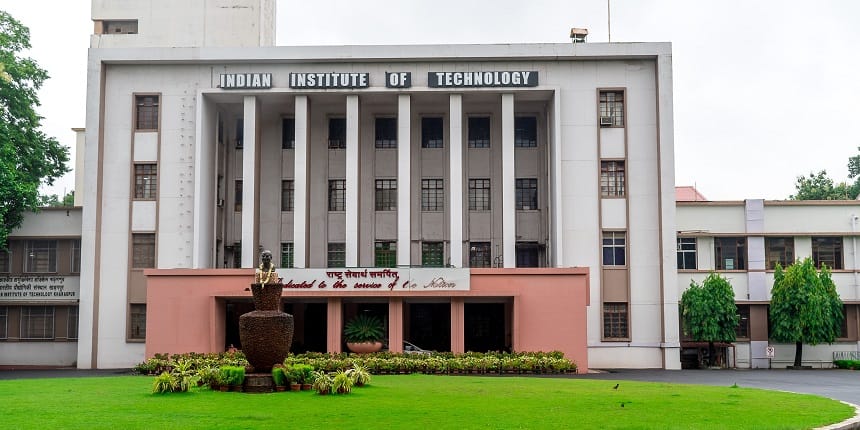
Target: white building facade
203,150
744,240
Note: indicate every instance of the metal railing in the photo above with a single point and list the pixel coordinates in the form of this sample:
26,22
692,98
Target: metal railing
846,355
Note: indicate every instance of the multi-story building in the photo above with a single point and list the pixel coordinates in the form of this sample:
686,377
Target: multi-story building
539,177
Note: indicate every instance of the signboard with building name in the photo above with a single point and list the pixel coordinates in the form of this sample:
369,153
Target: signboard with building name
329,80
49,287
375,279
244,81
482,79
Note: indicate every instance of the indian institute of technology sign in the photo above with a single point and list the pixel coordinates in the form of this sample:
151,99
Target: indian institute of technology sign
359,80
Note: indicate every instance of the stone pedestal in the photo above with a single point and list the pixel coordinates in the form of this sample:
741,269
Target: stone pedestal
266,333
259,383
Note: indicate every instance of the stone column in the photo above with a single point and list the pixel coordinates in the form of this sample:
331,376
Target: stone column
251,182
509,221
301,183
455,179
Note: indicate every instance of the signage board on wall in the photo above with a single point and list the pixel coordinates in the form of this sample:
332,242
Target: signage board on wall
375,279
482,79
244,81
23,288
329,80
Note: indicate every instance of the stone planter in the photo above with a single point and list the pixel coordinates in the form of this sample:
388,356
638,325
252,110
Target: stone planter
364,347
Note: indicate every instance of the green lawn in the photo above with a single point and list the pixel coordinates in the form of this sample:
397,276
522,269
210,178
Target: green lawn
412,401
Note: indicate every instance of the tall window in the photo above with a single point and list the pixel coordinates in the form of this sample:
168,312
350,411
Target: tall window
287,195
40,256
336,195
527,194
612,109
336,255
37,322
4,322
612,183
742,331
146,112
137,322
386,194
288,133
145,181
337,133
72,323
615,321
614,248
779,250
730,253
479,132
432,195
76,256
237,195
5,261
386,133
142,250
525,132
237,255
432,254
827,250
431,133
687,253
287,255
479,254
386,254
240,133
479,194
528,254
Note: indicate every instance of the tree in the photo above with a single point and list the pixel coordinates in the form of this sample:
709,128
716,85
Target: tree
709,312
53,200
28,157
821,187
804,306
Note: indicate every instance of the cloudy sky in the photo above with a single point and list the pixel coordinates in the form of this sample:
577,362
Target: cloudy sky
764,90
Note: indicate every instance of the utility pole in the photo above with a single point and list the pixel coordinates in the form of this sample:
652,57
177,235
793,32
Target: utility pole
609,21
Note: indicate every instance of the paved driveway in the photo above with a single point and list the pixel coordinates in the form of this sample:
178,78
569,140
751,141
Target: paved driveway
833,383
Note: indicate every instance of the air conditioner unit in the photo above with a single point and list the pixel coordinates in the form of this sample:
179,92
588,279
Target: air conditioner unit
220,203
606,120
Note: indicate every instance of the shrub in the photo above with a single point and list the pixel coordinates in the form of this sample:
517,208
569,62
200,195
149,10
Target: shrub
341,383
359,375
164,383
322,382
278,376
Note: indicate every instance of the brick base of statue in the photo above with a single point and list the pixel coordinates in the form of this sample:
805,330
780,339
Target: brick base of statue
266,333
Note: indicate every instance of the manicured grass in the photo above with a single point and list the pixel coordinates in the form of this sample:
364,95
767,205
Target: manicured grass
412,401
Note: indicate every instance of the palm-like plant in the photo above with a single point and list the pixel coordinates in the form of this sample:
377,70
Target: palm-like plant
363,328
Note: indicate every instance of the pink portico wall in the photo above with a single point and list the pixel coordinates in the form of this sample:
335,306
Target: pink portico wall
186,308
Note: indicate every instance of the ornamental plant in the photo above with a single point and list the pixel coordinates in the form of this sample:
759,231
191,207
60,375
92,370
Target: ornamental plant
364,328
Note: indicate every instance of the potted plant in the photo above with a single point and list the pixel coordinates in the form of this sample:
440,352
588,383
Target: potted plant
341,383
305,373
322,382
279,378
294,374
359,375
364,333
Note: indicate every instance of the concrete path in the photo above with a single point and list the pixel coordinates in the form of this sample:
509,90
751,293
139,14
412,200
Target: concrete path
833,383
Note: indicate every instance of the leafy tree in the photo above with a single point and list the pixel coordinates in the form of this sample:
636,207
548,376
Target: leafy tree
53,200
821,187
804,306
27,156
709,312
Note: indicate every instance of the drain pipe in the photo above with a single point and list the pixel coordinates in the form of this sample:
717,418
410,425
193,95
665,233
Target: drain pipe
854,218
